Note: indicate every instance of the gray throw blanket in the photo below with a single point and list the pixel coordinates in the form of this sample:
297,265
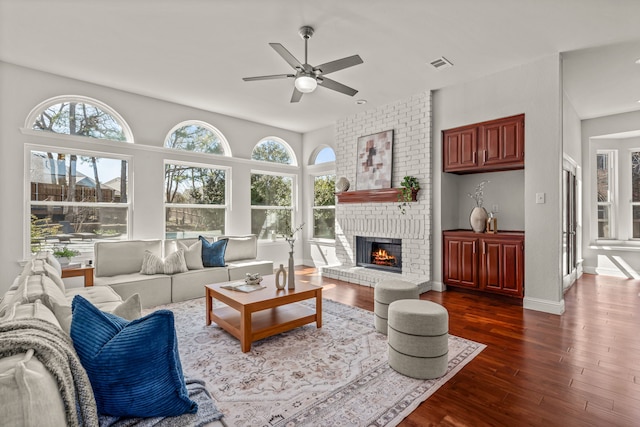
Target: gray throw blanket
55,350
207,412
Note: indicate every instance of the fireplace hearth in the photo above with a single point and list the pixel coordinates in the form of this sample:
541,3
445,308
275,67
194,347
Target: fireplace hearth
379,253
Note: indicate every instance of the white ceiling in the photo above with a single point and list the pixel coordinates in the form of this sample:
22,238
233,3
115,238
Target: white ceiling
195,52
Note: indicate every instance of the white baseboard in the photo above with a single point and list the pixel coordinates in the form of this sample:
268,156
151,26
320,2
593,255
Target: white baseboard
546,306
606,271
438,286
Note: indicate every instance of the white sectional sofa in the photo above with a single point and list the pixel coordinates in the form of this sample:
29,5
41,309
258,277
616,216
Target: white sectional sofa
118,265
42,382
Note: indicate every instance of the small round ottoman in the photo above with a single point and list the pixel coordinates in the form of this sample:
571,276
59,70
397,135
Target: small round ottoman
386,292
418,338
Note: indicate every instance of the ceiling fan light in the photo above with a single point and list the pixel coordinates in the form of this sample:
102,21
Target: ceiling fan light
306,84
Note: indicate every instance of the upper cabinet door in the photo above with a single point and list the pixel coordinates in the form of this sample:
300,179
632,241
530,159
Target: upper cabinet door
495,145
460,149
502,142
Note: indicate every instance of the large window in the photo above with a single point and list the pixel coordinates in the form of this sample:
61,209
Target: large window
271,205
195,200
273,150
324,212
74,196
617,190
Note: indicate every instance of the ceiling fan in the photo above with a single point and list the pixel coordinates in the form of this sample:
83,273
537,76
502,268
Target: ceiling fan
307,77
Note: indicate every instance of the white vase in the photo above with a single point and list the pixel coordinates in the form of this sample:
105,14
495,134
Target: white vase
478,219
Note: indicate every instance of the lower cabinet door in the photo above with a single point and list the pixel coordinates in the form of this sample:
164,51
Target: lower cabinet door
460,262
502,266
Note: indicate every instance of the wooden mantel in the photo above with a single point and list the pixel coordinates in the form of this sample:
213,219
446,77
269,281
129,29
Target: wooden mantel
383,195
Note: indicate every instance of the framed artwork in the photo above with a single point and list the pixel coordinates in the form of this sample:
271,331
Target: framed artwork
375,152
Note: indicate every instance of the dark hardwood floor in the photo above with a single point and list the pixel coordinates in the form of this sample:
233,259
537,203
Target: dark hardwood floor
578,369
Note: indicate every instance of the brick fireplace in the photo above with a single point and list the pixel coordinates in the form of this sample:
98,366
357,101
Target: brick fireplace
410,120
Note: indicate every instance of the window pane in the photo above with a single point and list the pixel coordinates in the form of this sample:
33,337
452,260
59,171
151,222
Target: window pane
635,177
636,221
77,227
271,151
182,222
603,222
264,221
271,190
193,185
324,223
58,177
78,118
195,138
324,188
603,177
325,155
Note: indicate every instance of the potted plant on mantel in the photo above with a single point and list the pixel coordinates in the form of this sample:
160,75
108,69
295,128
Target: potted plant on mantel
408,192
64,254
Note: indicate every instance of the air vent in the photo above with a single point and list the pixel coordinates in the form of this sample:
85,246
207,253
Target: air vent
441,62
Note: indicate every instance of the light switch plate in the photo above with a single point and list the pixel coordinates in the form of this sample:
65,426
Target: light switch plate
539,197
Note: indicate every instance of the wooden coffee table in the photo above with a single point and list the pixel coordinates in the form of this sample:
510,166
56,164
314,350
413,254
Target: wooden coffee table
252,316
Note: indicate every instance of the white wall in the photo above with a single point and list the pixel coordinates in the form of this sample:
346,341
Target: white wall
150,120
535,90
610,259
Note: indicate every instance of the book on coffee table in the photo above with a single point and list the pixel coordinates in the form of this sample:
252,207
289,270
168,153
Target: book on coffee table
243,287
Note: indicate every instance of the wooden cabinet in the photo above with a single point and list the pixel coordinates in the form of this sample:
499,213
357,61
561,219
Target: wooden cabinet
490,146
460,148
461,261
487,262
502,265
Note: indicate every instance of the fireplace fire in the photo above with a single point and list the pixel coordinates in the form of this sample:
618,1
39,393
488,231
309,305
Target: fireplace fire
382,257
380,253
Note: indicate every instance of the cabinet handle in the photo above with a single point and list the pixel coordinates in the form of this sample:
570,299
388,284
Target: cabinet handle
484,156
475,157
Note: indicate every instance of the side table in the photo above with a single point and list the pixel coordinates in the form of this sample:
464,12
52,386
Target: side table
86,272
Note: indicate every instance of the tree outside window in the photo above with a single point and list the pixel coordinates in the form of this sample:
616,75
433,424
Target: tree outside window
76,197
197,138
271,205
195,201
324,213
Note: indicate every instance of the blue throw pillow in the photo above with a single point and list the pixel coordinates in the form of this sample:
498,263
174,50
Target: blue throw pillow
213,253
134,367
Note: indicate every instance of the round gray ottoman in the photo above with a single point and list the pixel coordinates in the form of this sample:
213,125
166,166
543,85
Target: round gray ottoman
418,338
386,292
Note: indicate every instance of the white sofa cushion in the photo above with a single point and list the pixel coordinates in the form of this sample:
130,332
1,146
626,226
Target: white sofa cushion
31,289
123,257
239,269
35,309
192,255
190,285
240,247
154,290
29,393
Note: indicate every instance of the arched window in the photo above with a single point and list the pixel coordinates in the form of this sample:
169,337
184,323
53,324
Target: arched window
81,116
77,196
323,155
198,137
274,150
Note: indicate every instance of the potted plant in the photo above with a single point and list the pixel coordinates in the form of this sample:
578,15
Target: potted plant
408,191
64,254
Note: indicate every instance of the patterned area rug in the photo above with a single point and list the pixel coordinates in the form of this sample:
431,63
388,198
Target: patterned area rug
337,375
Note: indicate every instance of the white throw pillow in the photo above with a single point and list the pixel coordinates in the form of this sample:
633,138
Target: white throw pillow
174,263
192,255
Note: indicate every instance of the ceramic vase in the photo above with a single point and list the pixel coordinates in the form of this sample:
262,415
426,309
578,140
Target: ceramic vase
478,219
281,273
291,284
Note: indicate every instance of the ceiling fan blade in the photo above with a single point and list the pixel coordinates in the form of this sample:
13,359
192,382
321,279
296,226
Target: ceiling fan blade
339,64
295,97
271,77
338,87
286,55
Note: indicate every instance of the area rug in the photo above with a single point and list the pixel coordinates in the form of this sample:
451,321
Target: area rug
337,375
